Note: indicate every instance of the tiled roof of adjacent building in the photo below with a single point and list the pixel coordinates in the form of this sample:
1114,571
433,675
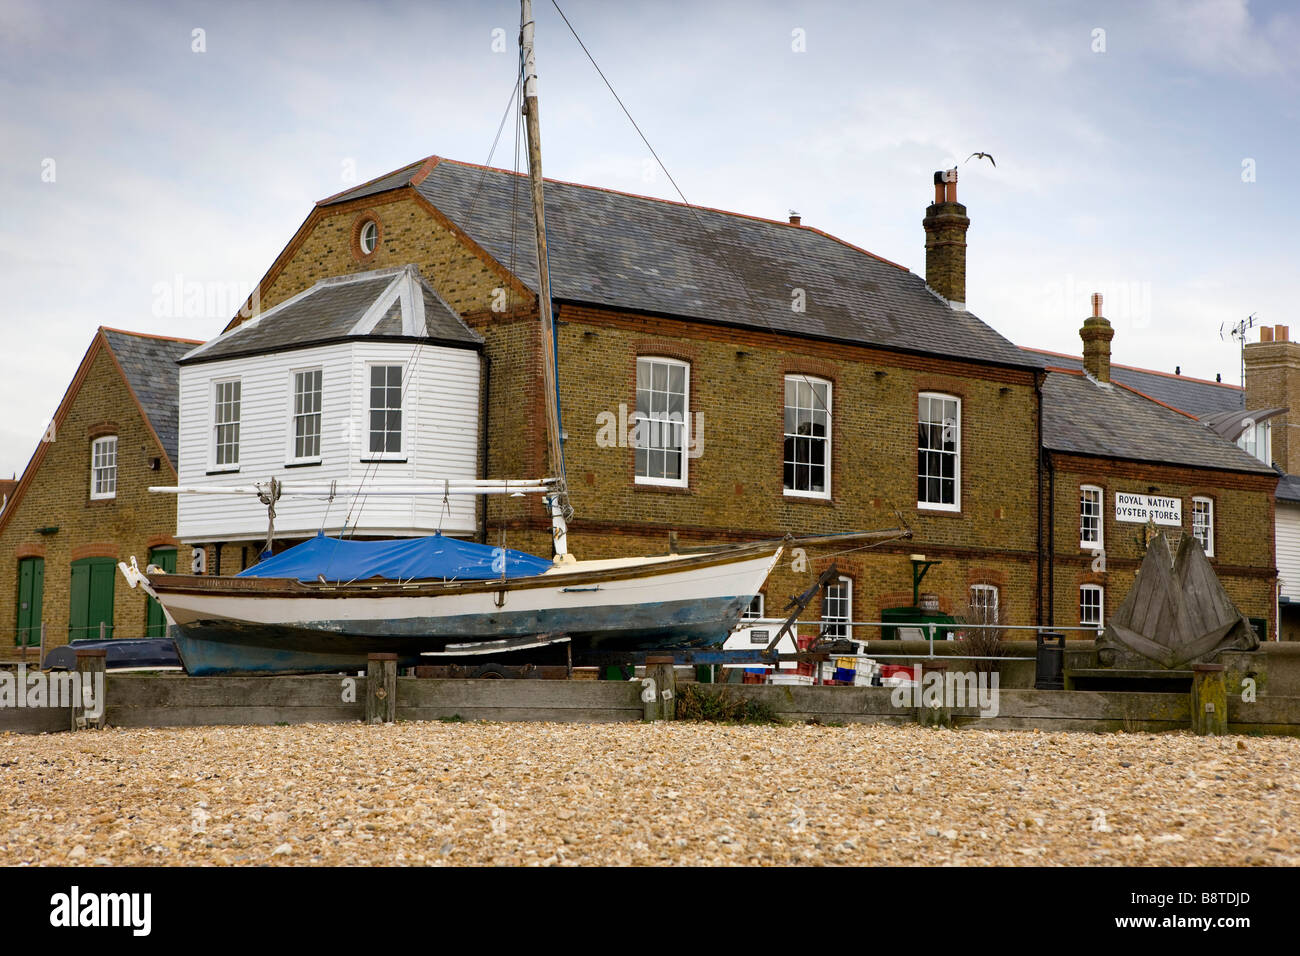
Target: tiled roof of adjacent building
652,255
387,303
149,364
1288,488
1083,417
1195,396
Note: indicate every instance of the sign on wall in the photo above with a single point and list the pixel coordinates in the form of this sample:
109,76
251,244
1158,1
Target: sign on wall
1139,509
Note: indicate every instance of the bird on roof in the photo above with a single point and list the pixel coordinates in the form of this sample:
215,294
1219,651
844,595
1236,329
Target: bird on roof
988,156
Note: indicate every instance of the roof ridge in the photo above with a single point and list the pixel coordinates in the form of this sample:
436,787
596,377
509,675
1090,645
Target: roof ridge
1135,368
153,335
370,182
428,165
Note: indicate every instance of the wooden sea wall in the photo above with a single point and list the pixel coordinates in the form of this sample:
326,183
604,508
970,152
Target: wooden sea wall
172,701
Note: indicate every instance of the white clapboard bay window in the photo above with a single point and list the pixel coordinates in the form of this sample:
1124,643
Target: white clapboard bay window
103,468
1203,523
938,470
1090,523
385,418
661,421
1090,605
384,393
837,609
306,416
225,425
807,437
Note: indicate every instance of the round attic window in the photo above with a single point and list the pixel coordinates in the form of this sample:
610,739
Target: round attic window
369,237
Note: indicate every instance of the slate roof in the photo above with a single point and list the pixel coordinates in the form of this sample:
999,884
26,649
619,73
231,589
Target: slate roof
651,255
1288,488
1195,396
1083,417
336,309
149,364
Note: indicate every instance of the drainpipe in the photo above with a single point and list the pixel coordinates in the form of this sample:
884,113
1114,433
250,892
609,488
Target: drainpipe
485,421
1039,377
1051,541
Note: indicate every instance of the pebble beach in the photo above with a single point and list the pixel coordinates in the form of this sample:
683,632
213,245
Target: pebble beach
521,794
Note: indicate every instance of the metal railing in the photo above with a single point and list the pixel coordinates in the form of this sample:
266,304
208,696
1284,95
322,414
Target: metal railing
929,626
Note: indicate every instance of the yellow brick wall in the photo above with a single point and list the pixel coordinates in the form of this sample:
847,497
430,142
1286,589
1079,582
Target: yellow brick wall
60,496
1243,531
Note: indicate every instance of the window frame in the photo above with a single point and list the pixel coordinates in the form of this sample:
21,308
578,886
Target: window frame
369,224
746,616
826,623
828,439
291,452
1101,605
983,587
214,427
955,506
395,456
651,480
106,441
1100,543
1208,545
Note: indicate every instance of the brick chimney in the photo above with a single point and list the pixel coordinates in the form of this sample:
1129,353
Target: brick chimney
945,241
1273,381
1096,334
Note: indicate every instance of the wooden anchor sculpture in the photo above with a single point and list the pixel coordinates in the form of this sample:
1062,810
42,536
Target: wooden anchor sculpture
1176,614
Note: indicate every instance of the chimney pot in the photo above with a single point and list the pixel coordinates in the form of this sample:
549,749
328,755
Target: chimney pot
1096,304
1281,333
945,226
1178,370
1266,333
795,218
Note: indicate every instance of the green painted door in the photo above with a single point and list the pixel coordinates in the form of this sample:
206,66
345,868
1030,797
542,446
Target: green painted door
92,599
156,624
31,593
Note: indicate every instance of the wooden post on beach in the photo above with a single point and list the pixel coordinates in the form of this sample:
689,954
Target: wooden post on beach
927,715
91,670
664,705
381,688
1209,700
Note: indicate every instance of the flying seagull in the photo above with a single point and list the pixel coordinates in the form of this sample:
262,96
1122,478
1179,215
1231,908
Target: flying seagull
988,156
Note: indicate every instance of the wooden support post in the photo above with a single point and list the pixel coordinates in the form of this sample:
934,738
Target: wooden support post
91,687
928,715
1209,700
40,657
663,706
381,688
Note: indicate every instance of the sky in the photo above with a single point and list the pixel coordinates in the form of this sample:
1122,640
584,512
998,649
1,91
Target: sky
1140,148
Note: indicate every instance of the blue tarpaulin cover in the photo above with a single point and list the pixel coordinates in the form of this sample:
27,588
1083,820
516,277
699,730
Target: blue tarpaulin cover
433,557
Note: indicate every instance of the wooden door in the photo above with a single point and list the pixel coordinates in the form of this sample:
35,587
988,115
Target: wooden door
31,594
156,623
92,599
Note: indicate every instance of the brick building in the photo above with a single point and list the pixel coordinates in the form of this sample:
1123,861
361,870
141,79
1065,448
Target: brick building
793,383
81,504
1121,464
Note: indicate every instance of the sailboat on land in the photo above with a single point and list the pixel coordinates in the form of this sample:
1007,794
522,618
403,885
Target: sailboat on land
327,604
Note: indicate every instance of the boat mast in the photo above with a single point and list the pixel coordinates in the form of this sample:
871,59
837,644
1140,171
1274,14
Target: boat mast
559,501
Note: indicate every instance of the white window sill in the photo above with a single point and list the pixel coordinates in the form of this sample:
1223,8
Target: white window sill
816,495
108,497
302,462
1091,546
225,470
659,483
925,506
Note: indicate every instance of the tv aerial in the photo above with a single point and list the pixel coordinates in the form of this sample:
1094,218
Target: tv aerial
1238,332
